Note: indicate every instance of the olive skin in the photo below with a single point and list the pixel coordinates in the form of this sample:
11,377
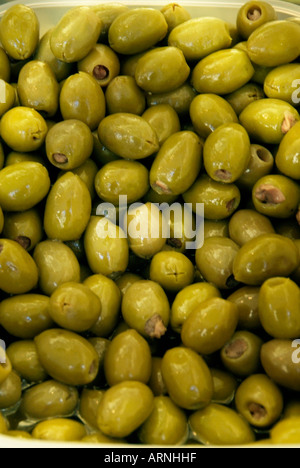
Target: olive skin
276,196
124,408
226,153
60,430
106,247
210,326
128,357
5,367
107,14
252,15
246,299
208,112
137,30
175,15
49,399
155,72
67,356
172,270
43,99
220,200
68,208
222,72
75,34
5,67
268,120
3,425
270,45
49,255
286,432
177,164
88,405
204,41
123,95
277,358
18,271
19,32
10,390
122,177
278,308
156,381
23,129
146,308
286,159
166,425
261,164
215,260
246,225
266,256
187,378
164,119
241,355
23,186
242,97
279,82
81,98
218,425
128,135
69,144
25,315
24,227
74,307
259,400
189,299
102,63
225,385
180,99
25,360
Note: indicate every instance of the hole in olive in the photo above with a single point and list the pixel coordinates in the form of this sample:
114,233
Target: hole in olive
93,367
236,348
100,72
154,327
257,411
177,243
60,158
24,241
254,13
263,154
269,194
230,206
222,174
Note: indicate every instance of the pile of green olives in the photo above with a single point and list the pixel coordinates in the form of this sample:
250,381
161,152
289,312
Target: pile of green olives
116,334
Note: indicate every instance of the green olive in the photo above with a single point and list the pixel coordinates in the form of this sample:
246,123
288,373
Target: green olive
164,119
68,208
87,173
75,307
102,63
241,355
5,366
210,326
14,157
286,159
128,135
106,247
244,96
25,227
3,425
220,200
187,378
204,42
271,45
222,72
19,31
19,434
220,426
60,430
268,120
110,297
162,70
259,400
7,97
246,299
69,144
88,406
276,196
23,129
261,163
286,432
23,185
137,30
25,315
25,360
280,82
10,391
124,408
246,225
225,385
264,257
107,13
172,270
216,228
75,34
5,67
177,163
166,425
67,356
18,271
126,280
128,357
81,98
49,255
175,14
123,95
156,382
252,15
180,99
50,399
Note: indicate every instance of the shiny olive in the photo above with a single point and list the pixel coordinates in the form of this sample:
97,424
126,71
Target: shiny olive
87,173
156,381
225,385
49,256
259,400
261,163
123,95
244,96
7,98
286,432
3,425
67,356
247,224
102,63
5,67
88,405
216,228
252,15
241,355
246,299
10,390
5,366
60,430
25,360
280,83
180,99
287,159
107,13
25,227
124,408
175,14
172,270
164,119
19,31
50,399
126,280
